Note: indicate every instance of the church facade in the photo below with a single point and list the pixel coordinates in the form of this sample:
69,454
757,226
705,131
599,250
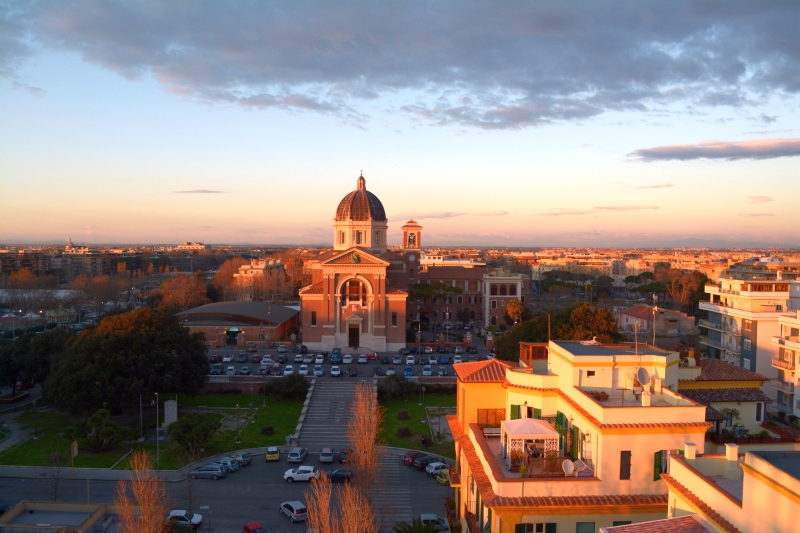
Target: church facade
359,291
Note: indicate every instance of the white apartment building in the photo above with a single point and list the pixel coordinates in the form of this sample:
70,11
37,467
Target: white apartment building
787,343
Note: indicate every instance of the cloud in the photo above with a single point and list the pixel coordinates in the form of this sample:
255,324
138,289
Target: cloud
610,208
450,214
492,214
476,64
658,186
759,199
766,119
730,150
199,191
758,214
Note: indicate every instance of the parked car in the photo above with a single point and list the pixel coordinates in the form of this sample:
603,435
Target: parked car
373,356
262,371
428,349
408,371
318,371
336,351
318,360
385,360
339,475
378,371
421,462
288,370
243,458
344,455
472,349
433,469
456,359
282,359
458,349
228,463
298,358
282,349
336,359
433,360
242,358
185,518
301,473
434,522
423,360
303,371
443,476
390,371
352,371
213,471
244,371
443,360
442,371
252,527
308,358
347,359
442,349
404,351
296,511
303,349
336,372
227,358
273,454
230,371
397,360
410,360
426,371
409,457
326,455
216,370
255,358
297,454
275,370
362,359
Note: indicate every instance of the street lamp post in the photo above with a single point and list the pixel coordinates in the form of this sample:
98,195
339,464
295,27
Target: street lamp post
158,447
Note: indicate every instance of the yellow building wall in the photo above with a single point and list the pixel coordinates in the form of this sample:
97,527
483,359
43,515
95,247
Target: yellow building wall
747,414
474,396
504,521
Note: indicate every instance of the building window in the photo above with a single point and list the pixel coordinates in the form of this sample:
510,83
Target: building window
625,465
621,523
759,411
341,237
447,299
502,290
494,320
472,315
472,300
359,237
584,527
494,304
412,240
522,299
313,318
748,325
748,344
590,373
547,527
460,299
493,290
512,290
410,272
394,319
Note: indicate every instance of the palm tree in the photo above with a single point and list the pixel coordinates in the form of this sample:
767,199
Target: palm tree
515,309
416,526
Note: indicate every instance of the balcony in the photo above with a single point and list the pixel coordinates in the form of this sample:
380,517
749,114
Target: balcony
785,365
721,346
786,388
455,477
733,329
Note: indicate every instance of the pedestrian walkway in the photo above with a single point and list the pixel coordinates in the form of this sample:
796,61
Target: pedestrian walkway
392,494
325,423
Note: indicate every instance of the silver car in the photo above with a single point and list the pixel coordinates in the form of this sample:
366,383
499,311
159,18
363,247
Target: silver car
296,511
212,471
297,455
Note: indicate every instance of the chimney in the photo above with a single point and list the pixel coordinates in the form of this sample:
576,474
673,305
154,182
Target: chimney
645,398
690,451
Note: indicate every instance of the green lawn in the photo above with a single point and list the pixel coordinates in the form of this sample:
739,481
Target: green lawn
416,413
282,416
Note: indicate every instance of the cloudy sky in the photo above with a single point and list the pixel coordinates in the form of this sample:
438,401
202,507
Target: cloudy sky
512,123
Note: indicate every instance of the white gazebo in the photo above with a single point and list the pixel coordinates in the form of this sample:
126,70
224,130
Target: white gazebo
514,433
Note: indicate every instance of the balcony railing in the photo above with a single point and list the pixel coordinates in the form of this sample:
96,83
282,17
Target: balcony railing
787,388
786,365
721,346
733,329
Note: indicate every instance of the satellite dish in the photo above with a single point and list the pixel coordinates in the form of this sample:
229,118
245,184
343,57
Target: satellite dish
568,467
643,375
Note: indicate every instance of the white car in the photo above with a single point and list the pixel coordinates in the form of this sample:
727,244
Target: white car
318,371
434,468
456,359
183,517
227,358
298,358
281,349
301,473
288,370
410,360
426,370
362,359
336,372
230,371
347,359
458,349
319,359
303,370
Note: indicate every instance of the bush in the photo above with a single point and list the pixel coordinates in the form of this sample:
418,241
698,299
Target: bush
293,386
403,431
267,430
402,414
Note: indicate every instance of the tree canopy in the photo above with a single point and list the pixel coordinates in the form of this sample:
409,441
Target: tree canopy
28,357
192,431
98,433
139,352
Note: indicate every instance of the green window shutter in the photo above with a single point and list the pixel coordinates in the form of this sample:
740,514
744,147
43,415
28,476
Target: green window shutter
657,466
550,528
537,413
519,528
576,443
625,464
514,412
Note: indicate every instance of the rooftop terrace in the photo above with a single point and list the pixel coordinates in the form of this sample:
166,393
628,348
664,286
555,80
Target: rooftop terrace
580,348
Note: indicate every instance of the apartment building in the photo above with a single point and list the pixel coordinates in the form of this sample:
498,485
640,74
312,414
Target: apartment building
261,280
500,286
787,343
574,438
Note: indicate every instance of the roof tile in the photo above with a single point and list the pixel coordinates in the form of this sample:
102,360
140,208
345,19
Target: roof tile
707,396
716,370
683,524
492,371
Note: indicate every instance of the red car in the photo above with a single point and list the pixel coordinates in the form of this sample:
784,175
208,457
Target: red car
408,458
373,356
252,527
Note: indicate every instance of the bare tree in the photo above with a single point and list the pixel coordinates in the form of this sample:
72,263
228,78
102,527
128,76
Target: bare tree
54,474
356,514
144,509
363,430
321,519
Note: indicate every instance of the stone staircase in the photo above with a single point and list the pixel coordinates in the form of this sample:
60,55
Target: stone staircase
325,422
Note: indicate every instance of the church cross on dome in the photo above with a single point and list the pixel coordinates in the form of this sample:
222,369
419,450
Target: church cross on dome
361,183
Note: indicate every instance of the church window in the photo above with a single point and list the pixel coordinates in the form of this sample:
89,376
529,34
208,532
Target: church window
341,237
313,318
493,290
412,240
411,272
512,290
359,237
460,299
522,299
394,319
502,290
494,304
494,320
353,291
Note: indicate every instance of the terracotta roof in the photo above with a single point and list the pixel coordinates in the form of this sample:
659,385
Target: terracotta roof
683,524
639,311
360,205
490,499
316,288
716,370
491,371
704,509
712,415
707,396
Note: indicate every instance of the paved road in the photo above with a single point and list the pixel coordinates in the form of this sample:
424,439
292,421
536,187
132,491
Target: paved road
252,493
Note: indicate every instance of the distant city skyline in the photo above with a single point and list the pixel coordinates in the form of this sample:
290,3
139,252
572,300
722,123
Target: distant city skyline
521,125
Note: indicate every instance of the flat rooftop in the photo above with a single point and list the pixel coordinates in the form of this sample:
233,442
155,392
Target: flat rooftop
68,519
789,462
579,348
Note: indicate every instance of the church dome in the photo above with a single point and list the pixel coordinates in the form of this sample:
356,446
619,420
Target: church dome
360,205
